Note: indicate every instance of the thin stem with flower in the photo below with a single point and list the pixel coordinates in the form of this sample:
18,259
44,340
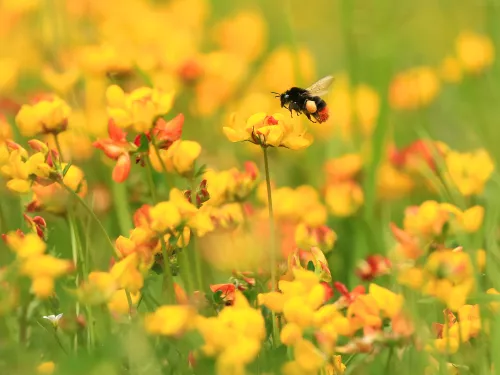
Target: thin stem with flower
272,229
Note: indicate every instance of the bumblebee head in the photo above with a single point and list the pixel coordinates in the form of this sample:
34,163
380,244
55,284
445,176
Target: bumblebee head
284,98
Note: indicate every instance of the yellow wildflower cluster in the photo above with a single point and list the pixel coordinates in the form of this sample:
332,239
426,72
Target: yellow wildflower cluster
34,263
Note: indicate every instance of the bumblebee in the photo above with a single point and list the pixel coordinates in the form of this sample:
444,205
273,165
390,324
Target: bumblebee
307,101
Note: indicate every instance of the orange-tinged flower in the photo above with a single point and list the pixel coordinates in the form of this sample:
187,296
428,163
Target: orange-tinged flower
48,115
474,51
116,147
268,131
53,197
232,34
126,273
321,237
414,88
138,109
426,220
389,302
364,311
5,130
343,168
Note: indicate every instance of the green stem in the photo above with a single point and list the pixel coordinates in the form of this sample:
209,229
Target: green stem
272,229
196,259
78,261
122,208
151,183
168,176
58,340
93,216
168,280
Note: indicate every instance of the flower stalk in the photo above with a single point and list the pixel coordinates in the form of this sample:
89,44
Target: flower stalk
272,229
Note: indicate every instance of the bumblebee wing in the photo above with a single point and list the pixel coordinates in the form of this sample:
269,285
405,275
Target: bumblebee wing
321,87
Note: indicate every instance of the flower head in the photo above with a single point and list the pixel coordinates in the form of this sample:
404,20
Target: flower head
48,115
268,131
54,319
138,109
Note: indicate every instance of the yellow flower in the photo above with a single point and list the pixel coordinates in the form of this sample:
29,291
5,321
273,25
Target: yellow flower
266,131
426,220
126,273
20,169
46,368
118,302
99,288
389,302
308,357
344,198
234,336
25,246
164,216
179,157
61,82
138,109
469,171
43,269
475,52
170,320
49,115
392,183
469,220
290,334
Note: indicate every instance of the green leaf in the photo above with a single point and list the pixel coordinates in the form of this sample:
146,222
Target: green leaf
144,145
216,297
201,171
310,266
66,169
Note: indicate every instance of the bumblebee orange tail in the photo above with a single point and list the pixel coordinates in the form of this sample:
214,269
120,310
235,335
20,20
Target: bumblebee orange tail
322,115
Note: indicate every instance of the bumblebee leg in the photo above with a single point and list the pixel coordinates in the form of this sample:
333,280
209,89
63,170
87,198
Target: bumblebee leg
309,117
291,112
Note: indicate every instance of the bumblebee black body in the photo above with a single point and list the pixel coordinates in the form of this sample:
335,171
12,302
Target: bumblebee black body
295,99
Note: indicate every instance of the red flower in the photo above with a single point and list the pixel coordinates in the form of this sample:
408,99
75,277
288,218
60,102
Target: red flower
374,266
419,151
37,224
167,132
117,147
227,292
346,297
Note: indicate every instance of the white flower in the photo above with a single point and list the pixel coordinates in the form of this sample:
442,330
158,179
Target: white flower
54,319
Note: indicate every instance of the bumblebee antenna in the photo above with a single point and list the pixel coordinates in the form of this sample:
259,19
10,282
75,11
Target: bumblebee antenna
277,94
